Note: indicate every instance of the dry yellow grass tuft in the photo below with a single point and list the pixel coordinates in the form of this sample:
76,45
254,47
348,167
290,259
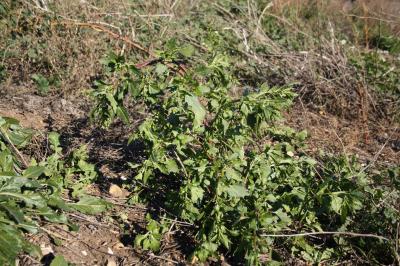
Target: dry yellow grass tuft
373,9
391,7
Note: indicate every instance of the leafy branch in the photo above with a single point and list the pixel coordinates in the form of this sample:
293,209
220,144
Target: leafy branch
220,161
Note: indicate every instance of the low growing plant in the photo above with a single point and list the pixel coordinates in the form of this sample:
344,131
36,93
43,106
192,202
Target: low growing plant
217,158
378,72
32,193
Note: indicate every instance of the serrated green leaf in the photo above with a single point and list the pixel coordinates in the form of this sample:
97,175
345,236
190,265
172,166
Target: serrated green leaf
197,193
171,166
284,217
112,101
237,191
54,139
225,240
232,174
336,203
153,226
146,244
187,50
123,114
139,240
33,172
154,244
197,109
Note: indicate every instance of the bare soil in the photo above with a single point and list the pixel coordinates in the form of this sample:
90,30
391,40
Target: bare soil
374,142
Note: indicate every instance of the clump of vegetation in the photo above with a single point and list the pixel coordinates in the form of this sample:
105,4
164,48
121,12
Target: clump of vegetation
217,162
217,159
378,72
32,193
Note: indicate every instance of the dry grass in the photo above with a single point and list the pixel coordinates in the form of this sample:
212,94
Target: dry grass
372,12
70,37
336,103
322,70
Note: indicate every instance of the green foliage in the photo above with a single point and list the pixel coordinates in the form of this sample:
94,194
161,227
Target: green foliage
388,43
220,161
89,205
59,261
151,240
75,174
380,73
30,195
109,102
43,84
216,156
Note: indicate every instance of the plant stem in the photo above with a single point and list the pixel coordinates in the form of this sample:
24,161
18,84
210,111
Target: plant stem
351,234
15,150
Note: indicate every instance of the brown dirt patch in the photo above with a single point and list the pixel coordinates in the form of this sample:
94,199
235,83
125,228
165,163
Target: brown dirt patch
374,141
94,243
27,119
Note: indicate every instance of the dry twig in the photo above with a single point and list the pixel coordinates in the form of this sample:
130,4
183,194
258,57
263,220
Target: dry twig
350,234
14,149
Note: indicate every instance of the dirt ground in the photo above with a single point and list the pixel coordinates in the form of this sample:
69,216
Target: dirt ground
374,142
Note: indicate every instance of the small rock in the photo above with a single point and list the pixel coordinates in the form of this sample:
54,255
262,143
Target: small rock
116,191
84,253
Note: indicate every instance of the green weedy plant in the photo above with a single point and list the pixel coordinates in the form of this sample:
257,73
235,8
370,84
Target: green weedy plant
42,83
217,159
381,74
151,240
29,194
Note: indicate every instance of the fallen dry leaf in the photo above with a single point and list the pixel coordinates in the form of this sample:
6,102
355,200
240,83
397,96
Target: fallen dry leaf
110,251
46,250
118,246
